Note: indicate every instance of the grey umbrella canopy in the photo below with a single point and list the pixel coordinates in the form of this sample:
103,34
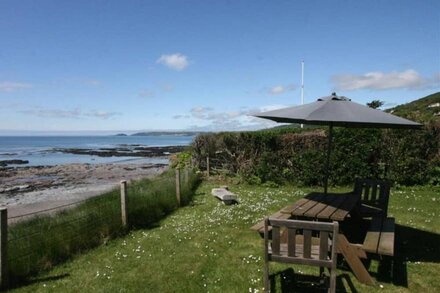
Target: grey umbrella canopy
337,111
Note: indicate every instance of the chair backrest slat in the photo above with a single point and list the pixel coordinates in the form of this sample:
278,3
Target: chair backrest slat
291,242
366,188
307,248
333,254
313,253
275,240
323,245
373,195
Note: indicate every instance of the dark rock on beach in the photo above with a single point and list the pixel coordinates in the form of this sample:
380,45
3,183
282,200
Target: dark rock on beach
126,151
5,163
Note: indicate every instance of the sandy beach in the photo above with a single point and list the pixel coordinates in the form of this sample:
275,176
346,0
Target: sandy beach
30,189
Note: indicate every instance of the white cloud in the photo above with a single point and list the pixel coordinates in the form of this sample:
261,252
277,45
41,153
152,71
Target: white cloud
9,86
181,116
276,90
175,61
102,114
409,79
210,120
53,113
69,114
271,107
280,89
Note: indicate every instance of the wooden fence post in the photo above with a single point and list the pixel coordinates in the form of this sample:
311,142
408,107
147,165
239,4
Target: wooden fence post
124,203
207,166
3,248
186,175
178,186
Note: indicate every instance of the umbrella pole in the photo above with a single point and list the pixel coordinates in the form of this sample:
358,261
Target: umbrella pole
329,149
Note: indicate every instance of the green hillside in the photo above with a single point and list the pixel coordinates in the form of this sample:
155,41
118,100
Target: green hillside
422,110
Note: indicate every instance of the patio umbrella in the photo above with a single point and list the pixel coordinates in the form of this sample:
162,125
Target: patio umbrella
337,111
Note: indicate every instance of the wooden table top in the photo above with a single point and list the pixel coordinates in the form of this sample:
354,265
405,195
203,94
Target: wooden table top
317,205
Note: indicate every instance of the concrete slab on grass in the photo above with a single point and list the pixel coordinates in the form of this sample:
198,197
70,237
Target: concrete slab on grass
224,195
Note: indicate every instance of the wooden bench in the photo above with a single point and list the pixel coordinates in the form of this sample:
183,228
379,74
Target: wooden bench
380,236
259,227
283,214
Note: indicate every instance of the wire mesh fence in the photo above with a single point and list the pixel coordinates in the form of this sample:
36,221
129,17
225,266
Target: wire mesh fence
39,240
45,238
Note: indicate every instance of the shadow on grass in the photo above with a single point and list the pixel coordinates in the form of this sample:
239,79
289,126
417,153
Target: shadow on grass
289,281
411,244
25,282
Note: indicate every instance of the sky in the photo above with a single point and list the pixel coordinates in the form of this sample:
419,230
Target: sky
100,66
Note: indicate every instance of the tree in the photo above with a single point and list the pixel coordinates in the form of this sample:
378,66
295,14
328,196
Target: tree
375,104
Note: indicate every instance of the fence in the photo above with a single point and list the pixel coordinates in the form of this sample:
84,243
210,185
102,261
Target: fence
215,165
36,241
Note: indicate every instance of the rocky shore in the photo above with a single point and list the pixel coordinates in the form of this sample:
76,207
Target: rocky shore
126,151
35,184
31,189
27,189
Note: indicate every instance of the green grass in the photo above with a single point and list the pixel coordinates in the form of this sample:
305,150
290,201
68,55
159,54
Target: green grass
41,242
208,247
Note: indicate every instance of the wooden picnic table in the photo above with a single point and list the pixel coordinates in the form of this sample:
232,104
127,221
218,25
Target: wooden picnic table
334,207
329,207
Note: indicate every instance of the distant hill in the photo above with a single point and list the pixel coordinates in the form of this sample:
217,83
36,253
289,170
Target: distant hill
421,110
162,133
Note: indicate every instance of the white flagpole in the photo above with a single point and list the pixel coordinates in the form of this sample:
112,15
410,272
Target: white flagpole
302,86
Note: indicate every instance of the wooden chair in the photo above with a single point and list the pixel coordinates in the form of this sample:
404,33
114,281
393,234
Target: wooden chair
374,196
301,249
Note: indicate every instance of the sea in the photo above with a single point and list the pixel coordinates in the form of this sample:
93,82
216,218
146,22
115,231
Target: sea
40,150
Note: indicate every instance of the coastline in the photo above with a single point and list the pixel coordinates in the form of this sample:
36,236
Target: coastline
85,172
32,189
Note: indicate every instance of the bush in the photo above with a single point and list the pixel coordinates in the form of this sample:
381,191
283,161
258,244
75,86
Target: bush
298,156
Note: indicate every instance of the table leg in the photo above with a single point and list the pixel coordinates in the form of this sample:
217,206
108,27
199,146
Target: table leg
354,261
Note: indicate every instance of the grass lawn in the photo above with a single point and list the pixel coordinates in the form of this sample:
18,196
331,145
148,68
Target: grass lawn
208,247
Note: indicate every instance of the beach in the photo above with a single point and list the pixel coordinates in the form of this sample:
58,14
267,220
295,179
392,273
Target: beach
30,189
40,173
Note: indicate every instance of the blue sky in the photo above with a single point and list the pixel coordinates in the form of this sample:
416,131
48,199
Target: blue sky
205,65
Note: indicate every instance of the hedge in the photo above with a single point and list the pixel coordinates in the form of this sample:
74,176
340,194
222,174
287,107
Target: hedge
297,156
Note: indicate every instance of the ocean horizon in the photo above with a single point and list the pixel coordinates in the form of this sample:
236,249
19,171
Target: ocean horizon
42,150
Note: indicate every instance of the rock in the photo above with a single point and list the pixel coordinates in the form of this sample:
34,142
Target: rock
126,152
4,163
15,188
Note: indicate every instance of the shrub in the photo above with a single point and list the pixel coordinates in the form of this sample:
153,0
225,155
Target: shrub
299,156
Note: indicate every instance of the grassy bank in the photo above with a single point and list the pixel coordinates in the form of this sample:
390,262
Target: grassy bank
40,242
208,247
